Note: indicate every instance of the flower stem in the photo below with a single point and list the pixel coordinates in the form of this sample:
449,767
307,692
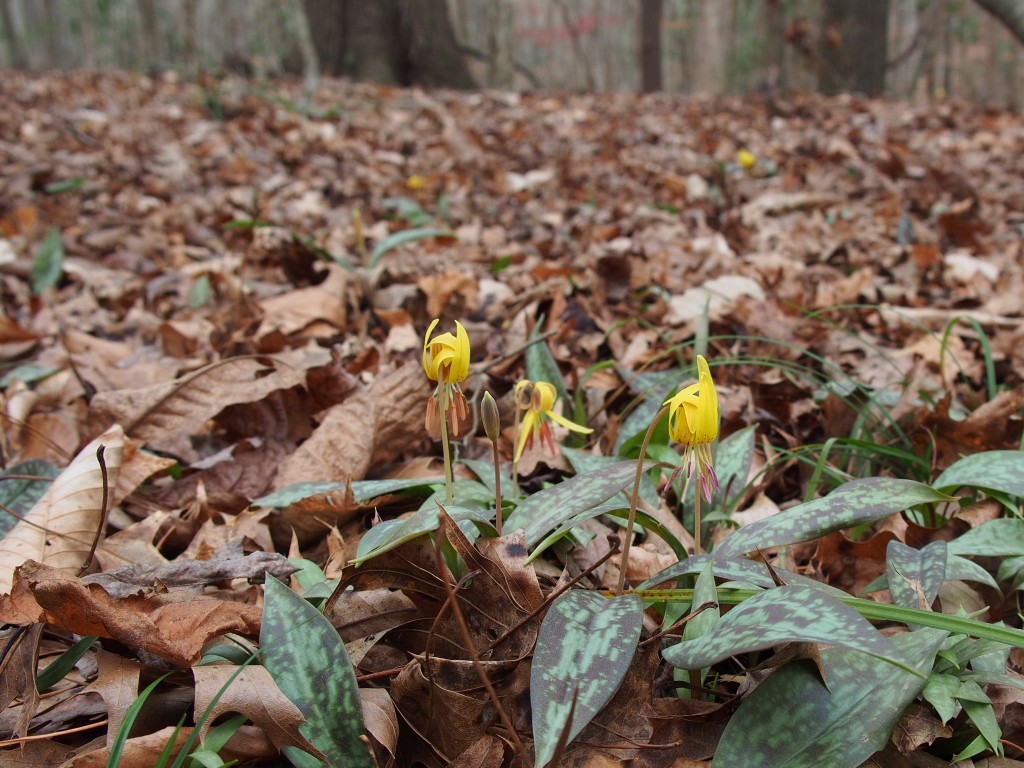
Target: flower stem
635,500
445,401
497,489
515,456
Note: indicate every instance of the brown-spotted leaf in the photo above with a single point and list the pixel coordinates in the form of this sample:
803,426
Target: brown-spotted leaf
59,530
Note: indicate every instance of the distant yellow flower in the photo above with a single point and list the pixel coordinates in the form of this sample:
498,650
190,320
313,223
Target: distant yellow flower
446,361
539,408
415,182
746,159
693,423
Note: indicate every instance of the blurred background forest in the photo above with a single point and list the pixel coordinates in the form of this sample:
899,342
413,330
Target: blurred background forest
916,49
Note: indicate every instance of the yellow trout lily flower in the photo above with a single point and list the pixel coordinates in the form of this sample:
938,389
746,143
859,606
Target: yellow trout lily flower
446,361
693,423
539,409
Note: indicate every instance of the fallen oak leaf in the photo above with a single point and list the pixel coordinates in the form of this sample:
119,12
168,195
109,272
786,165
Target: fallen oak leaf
252,693
60,528
249,743
173,626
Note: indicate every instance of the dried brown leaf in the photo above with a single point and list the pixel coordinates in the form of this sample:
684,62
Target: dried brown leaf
252,693
60,529
173,626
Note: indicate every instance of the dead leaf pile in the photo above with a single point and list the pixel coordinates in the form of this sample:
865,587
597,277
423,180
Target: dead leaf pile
228,318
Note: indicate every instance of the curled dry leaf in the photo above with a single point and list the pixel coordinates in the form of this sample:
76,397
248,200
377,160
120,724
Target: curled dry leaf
173,626
60,529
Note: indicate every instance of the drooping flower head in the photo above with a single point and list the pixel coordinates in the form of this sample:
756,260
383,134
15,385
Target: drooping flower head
446,361
537,399
693,423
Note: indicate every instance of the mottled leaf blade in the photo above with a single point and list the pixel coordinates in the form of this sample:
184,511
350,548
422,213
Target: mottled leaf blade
307,659
993,470
733,457
915,575
776,616
362,490
854,503
542,366
390,534
791,720
547,509
585,647
48,264
19,493
1002,537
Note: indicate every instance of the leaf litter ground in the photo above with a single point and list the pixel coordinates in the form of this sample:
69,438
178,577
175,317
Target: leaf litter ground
230,296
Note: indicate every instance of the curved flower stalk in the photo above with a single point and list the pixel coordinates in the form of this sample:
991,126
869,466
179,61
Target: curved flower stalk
693,423
539,410
446,361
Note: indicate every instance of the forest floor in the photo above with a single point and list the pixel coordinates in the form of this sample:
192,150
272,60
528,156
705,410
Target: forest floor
231,294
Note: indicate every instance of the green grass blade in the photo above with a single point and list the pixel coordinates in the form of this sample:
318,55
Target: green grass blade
56,670
130,715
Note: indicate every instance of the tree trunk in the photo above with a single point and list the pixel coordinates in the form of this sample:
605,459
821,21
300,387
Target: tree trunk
51,12
650,45
396,42
12,36
372,48
854,46
1010,13
327,23
711,68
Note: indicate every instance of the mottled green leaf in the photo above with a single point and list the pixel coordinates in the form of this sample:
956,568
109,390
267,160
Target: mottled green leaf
19,493
583,462
307,659
585,646
618,509
993,470
405,237
740,569
854,503
48,264
1002,537
957,568
385,536
940,691
776,616
791,720
733,457
542,366
27,373
547,509
915,575
362,491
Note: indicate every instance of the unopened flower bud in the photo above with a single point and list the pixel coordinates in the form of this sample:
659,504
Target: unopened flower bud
489,417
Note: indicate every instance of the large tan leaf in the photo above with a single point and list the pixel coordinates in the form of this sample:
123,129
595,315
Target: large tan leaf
165,415
60,528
